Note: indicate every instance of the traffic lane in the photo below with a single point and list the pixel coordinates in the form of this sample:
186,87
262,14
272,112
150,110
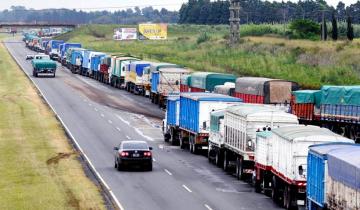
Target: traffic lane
97,140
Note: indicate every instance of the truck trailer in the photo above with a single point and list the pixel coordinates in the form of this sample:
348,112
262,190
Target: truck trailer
52,48
318,188
236,149
206,81
134,78
281,161
64,49
194,117
164,82
118,70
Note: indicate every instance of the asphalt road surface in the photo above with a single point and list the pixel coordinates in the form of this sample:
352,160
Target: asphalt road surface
99,117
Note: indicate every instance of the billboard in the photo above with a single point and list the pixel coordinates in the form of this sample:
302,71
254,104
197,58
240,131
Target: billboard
153,31
125,33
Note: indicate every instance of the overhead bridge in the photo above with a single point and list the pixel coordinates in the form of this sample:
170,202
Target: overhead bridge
36,25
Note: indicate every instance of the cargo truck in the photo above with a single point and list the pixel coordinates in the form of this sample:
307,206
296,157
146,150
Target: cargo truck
226,89
76,58
194,118
86,64
281,161
43,67
118,71
134,77
261,90
52,48
333,107
164,82
95,61
319,191
170,125
206,81
105,65
236,149
185,83
64,49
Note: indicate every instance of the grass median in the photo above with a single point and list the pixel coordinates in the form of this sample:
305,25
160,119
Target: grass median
38,167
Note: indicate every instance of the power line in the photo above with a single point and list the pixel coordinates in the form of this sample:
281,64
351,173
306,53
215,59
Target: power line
102,8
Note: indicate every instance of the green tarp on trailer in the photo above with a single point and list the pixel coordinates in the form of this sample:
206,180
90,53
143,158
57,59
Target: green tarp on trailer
340,95
208,80
306,96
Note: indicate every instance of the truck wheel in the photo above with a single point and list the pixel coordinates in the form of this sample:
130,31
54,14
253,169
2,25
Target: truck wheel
287,199
226,162
218,161
257,186
239,168
167,137
274,190
182,145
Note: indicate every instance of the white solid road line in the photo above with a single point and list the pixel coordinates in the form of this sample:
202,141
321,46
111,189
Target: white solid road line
128,137
186,188
110,121
117,128
208,207
168,172
71,136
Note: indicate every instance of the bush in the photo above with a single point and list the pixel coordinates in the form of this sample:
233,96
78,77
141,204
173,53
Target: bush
304,29
204,37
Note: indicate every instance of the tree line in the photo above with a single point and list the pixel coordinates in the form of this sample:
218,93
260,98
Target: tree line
128,16
257,11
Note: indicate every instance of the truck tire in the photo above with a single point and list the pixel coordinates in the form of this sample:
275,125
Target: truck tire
239,169
274,190
225,162
182,145
288,199
218,160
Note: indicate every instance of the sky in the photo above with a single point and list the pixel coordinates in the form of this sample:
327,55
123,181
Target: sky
112,5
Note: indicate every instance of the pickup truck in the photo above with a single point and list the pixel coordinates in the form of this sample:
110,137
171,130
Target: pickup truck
43,67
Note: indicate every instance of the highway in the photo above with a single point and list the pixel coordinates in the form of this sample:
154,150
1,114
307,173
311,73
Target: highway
99,117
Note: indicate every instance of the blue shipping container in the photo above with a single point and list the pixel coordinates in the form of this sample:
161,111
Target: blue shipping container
66,46
95,62
172,110
344,166
155,79
54,44
316,169
190,108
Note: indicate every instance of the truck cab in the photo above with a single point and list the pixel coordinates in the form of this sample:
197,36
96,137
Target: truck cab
43,66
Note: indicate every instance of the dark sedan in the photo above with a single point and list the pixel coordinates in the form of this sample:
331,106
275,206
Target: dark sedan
133,153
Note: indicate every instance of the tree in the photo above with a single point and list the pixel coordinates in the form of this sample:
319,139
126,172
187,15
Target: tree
350,29
304,29
334,33
323,30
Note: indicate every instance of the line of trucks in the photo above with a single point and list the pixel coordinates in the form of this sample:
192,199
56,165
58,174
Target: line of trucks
265,131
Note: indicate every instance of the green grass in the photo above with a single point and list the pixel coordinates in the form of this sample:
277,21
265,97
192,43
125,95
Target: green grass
39,169
263,52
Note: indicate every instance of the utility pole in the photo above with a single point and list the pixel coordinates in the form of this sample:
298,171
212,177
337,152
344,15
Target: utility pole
234,22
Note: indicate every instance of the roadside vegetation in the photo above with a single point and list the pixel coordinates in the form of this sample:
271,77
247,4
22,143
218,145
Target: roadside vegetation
38,167
265,50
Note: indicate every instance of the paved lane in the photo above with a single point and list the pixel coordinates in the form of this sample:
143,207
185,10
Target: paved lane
100,116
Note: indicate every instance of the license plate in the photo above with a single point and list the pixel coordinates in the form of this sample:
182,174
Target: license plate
136,155
46,74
